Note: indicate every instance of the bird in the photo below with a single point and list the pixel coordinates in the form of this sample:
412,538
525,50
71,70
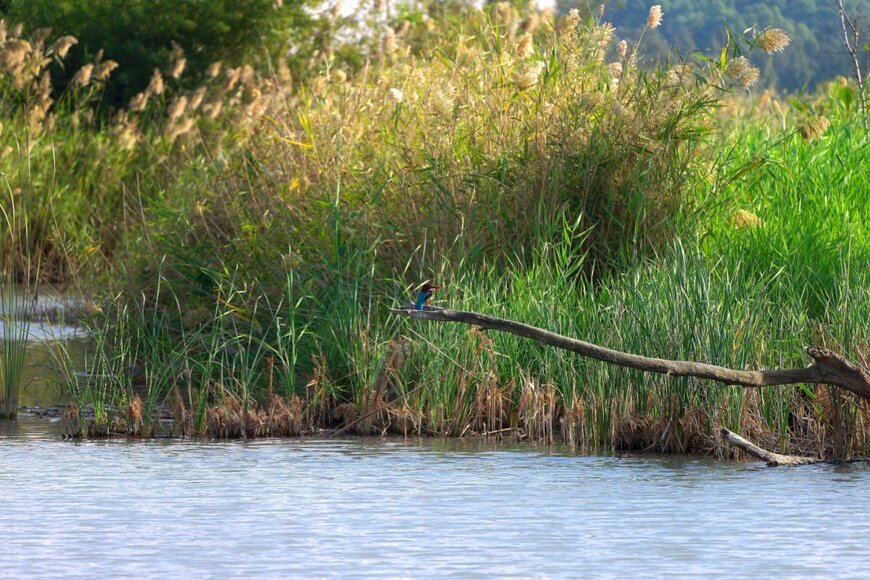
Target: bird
425,294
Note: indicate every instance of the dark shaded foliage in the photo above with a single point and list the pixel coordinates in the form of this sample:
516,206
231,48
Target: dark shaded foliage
142,34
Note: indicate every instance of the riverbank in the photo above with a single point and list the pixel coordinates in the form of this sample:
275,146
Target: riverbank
530,165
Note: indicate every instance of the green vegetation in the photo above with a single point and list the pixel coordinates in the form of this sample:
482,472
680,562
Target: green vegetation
251,235
14,331
144,35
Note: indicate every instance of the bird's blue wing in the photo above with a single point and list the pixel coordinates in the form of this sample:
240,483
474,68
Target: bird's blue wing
422,297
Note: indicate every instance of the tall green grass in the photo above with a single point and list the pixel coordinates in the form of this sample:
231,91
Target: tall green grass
15,315
437,379
811,199
17,296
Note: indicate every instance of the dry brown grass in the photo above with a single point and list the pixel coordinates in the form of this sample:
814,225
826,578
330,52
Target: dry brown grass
537,411
534,412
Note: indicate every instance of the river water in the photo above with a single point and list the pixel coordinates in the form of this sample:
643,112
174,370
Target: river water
413,508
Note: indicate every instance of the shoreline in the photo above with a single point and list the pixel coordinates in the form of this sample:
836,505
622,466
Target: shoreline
54,420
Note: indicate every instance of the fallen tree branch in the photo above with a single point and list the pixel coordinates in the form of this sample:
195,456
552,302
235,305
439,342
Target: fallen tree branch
828,368
772,459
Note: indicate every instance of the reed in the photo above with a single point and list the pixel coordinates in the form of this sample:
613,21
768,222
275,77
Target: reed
17,295
16,309
412,377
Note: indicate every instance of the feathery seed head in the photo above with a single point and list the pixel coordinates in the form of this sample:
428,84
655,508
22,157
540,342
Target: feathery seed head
247,75
174,131
61,46
232,75
388,43
678,74
213,70
155,86
14,53
505,12
531,23
38,39
614,69
44,89
814,127
654,19
603,35
257,107
318,85
614,72
104,69
622,48
177,68
569,22
772,40
745,219
196,98
528,75
139,102
124,131
177,108
83,75
525,46
213,109
395,95
742,72
443,100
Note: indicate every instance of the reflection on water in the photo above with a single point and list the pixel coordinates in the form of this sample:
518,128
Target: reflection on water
47,333
41,378
47,317
414,508
10,428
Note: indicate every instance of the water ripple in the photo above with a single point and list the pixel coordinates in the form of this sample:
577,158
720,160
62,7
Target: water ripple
414,508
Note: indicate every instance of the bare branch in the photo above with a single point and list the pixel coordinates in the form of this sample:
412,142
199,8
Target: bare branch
828,368
773,459
853,46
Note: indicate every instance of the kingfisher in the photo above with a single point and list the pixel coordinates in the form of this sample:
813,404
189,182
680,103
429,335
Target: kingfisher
425,294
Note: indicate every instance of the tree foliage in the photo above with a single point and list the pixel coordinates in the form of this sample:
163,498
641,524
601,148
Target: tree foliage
142,35
815,55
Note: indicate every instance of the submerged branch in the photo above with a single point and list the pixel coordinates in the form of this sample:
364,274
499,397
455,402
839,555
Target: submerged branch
829,368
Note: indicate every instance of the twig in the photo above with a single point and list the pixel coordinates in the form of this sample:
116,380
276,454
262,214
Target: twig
852,46
375,411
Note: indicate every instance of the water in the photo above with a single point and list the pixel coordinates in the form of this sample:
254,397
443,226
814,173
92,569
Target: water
49,339
50,310
351,507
